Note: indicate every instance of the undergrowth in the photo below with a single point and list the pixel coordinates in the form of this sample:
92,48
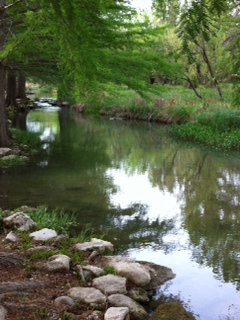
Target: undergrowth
31,139
60,221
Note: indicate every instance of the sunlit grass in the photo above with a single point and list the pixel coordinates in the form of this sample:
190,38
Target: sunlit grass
30,139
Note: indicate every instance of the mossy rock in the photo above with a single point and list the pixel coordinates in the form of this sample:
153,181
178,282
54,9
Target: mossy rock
171,311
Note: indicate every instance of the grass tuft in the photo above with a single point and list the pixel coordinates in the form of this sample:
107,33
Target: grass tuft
31,139
58,220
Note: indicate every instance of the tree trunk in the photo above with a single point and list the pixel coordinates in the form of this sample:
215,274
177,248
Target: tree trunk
193,87
211,71
21,88
11,89
4,132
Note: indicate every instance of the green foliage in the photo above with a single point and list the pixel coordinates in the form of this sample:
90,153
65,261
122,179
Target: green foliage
221,120
12,162
58,220
31,139
41,313
26,240
207,136
67,316
81,47
110,270
85,234
198,19
42,254
182,114
167,10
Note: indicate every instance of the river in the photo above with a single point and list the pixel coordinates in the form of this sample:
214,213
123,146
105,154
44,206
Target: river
156,199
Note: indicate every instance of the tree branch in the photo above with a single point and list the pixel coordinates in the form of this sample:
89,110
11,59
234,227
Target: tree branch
5,8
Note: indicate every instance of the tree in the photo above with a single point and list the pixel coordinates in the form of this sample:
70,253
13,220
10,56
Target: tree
196,26
198,23
85,44
11,89
21,87
4,135
167,10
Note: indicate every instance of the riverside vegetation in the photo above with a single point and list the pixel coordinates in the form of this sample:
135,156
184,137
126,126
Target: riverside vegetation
208,121
47,276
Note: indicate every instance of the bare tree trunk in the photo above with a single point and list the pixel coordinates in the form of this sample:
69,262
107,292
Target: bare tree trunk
4,132
211,71
21,88
194,88
11,90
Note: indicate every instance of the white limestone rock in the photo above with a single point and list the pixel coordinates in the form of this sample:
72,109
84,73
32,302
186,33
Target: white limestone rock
12,237
9,157
94,244
88,295
4,151
138,294
117,313
3,313
133,271
110,284
120,300
43,234
141,273
95,315
96,271
64,300
20,221
89,272
57,263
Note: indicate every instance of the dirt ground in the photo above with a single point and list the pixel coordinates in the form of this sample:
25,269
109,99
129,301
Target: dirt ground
33,293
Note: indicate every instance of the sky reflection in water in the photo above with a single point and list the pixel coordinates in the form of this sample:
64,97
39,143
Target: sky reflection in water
196,285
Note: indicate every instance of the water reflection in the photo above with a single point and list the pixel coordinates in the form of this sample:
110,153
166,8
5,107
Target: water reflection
44,121
154,198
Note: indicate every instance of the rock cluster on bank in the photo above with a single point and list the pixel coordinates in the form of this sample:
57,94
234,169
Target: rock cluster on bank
118,296
17,152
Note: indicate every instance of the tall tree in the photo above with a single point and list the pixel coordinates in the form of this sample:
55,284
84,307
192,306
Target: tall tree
85,43
4,134
21,87
11,96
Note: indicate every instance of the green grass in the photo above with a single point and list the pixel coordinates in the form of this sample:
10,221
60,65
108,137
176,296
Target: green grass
110,270
60,221
12,162
210,121
221,120
166,103
24,142
30,139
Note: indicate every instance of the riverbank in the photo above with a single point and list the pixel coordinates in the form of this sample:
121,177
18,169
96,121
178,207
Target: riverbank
45,275
208,121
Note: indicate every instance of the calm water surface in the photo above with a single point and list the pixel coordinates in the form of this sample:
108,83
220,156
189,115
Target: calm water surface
155,199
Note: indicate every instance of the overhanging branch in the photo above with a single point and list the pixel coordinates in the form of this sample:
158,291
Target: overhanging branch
5,8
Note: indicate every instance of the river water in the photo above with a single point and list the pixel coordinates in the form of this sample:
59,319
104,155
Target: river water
156,199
